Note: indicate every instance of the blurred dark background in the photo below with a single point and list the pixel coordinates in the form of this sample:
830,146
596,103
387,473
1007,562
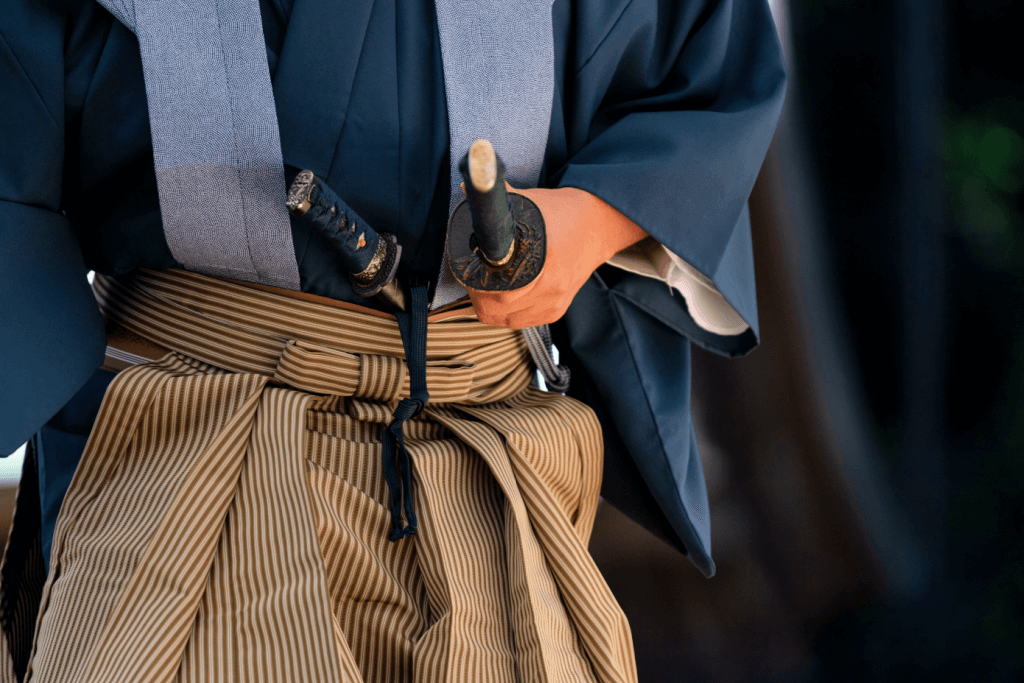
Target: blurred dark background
866,463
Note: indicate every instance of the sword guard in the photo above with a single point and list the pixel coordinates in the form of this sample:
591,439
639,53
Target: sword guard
523,266
382,267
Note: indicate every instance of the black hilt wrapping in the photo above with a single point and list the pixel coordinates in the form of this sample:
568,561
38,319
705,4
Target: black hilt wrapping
370,257
494,219
496,240
524,264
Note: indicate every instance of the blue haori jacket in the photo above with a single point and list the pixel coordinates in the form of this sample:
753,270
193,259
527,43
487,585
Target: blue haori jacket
663,108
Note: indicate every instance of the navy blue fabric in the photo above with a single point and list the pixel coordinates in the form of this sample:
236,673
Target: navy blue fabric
51,335
59,446
663,108
413,326
615,344
360,98
667,112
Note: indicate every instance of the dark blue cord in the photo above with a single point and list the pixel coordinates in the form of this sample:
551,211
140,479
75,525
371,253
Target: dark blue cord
413,326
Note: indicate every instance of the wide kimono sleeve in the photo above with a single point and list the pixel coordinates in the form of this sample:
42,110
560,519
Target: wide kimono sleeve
670,107
666,110
51,332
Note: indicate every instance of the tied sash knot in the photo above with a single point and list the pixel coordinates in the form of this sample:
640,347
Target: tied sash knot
396,461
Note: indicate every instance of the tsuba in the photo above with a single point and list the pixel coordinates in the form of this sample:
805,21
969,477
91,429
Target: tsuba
527,261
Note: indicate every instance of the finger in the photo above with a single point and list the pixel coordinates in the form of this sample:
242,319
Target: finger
517,317
532,318
514,298
493,315
494,312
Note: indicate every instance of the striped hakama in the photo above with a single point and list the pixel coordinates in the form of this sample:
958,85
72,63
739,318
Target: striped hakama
229,517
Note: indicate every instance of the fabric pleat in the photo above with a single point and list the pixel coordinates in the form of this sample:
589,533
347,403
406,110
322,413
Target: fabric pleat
230,525
23,574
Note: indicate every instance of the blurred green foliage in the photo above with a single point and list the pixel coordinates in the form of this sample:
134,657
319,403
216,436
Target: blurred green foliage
984,180
985,205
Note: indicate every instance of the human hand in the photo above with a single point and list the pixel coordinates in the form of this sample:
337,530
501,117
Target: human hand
582,233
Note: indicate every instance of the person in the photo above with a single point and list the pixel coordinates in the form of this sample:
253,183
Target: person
212,501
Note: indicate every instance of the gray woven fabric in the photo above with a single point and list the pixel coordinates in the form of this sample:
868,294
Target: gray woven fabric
538,341
216,142
499,78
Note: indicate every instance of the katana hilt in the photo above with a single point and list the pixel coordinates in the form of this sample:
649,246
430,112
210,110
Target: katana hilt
370,257
496,239
494,221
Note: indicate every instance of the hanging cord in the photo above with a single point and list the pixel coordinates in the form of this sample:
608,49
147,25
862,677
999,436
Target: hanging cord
538,341
412,323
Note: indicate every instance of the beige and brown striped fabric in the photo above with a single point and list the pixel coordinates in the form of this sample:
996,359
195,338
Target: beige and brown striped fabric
228,520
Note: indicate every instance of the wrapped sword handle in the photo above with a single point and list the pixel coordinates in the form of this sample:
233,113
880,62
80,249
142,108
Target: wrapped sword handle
371,258
496,239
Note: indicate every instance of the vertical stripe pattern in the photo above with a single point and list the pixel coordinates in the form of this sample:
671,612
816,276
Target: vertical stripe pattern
230,523
23,574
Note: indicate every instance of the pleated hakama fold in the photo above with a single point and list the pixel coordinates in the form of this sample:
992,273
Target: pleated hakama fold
229,518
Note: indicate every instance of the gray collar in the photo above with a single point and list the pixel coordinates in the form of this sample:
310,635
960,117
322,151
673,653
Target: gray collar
216,142
499,78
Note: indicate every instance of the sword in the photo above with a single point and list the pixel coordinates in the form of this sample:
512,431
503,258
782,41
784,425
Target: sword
497,242
496,239
371,258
